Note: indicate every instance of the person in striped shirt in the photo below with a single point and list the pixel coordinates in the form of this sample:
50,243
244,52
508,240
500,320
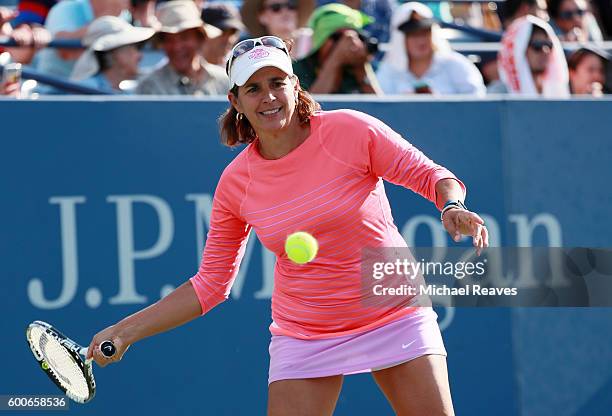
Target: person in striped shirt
321,172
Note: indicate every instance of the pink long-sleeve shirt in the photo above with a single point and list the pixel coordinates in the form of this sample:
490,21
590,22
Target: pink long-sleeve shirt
332,187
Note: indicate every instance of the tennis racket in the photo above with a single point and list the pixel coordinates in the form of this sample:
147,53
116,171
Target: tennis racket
63,360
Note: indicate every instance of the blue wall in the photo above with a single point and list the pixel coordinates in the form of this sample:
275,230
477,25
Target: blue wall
523,161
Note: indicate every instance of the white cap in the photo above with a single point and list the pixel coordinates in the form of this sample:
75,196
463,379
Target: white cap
259,57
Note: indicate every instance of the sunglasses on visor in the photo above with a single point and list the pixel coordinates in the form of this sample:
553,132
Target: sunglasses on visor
248,45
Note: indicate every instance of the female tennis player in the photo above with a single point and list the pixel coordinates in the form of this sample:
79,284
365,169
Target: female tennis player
321,172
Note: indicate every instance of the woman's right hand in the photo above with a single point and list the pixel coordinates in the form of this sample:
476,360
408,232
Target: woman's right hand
119,340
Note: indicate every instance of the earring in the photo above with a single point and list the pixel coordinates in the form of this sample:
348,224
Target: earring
239,117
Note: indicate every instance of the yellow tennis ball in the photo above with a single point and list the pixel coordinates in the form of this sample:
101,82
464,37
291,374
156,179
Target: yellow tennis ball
301,247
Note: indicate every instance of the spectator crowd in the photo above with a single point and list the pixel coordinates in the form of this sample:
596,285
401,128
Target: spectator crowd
549,48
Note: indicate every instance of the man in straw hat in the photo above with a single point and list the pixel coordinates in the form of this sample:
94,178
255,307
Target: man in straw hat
112,55
182,35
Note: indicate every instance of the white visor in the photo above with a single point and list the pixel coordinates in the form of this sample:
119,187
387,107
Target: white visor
259,57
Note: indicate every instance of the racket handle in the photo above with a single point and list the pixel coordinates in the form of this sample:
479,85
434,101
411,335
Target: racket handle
108,348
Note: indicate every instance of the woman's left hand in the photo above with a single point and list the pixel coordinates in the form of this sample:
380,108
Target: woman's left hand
460,222
11,89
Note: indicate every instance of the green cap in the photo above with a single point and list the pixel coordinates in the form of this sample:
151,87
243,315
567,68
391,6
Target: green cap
328,19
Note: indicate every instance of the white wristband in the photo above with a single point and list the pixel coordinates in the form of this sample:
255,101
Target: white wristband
450,205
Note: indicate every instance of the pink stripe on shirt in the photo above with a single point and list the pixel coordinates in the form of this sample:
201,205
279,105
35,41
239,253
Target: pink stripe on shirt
330,186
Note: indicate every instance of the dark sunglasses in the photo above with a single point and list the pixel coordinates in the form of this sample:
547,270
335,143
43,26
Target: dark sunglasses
539,45
277,7
249,44
371,43
569,14
335,37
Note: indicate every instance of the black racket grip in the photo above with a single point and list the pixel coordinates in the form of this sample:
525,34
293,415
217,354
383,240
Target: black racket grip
108,348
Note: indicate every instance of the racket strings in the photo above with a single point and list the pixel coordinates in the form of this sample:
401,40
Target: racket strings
61,363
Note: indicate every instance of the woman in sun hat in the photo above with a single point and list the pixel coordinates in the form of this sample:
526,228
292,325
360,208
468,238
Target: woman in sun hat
587,71
112,55
252,12
321,172
285,19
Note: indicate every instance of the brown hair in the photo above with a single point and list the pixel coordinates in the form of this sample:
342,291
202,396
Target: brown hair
236,130
578,56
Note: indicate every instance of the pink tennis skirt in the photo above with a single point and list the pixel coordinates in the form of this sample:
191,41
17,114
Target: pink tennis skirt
412,336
